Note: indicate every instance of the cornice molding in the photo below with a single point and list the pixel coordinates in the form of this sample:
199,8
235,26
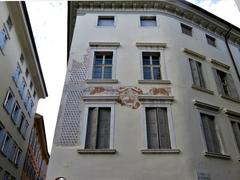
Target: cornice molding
204,105
104,44
152,45
218,63
231,113
175,8
193,53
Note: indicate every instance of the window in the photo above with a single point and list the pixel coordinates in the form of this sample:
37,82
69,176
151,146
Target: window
236,132
24,127
6,144
197,75
186,29
146,21
34,93
102,67
9,101
3,39
30,107
22,88
158,136
15,113
225,84
151,65
7,176
210,133
105,21
21,120
18,157
21,58
98,128
27,99
13,151
17,74
26,72
2,135
9,23
31,85
211,40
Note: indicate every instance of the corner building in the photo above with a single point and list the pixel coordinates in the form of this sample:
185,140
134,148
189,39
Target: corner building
21,86
151,92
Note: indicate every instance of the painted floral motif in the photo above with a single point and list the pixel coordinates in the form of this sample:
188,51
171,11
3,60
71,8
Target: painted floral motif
159,92
128,96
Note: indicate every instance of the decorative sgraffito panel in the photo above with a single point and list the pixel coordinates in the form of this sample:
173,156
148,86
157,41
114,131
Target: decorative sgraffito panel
68,124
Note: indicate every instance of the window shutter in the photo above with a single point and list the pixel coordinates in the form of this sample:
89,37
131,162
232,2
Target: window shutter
214,135
200,74
231,87
236,131
92,124
218,82
194,71
152,128
163,128
103,128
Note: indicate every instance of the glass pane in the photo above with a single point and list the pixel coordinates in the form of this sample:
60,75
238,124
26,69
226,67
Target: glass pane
108,73
105,22
147,73
98,60
148,22
156,73
155,60
97,72
146,60
108,59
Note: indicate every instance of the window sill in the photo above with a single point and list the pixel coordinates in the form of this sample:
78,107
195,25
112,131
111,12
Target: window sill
96,151
160,151
217,155
101,81
154,82
202,89
230,98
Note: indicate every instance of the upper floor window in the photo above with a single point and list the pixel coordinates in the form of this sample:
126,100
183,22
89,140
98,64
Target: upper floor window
6,144
15,113
157,126
18,156
210,133
21,58
3,39
17,74
98,128
148,21
236,132
105,21
22,88
9,102
225,84
151,66
2,135
31,85
34,94
211,40
26,72
186,29
13,151
102,67
9,23
197,74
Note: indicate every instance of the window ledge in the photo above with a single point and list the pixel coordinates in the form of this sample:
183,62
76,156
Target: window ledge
202,89
193,53
230,98
149,44
217,155
101,81
154,82
96,151
160,151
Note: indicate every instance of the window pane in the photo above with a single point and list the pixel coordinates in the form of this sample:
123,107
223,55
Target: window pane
148,21
108,73
97,72
106,21
146,60
156,73
98,60
108,59
155,61
147,73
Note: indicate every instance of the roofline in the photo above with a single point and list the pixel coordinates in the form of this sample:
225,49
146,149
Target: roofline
24,7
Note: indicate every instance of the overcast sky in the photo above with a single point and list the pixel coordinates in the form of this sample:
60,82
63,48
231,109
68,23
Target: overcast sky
49,23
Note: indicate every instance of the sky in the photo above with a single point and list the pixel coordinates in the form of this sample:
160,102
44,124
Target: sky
49,24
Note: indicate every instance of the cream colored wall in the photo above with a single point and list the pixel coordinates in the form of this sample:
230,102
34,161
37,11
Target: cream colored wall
8,64
129,163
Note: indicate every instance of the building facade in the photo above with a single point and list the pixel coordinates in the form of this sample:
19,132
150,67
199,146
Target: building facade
22,85
151,92
36,161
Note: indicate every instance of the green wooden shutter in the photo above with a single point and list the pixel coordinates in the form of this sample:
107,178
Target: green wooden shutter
231,87
103,135
152,128
164,136
218,82
194,70
92,125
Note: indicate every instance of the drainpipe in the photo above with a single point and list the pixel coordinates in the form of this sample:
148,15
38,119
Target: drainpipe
230,53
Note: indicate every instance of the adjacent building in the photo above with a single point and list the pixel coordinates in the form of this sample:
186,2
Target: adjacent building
151,92
36,161
22,85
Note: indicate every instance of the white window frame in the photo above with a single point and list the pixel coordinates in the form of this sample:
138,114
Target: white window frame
217,127
167,105
92,58
6,98
85,121
236,120
163,68
106,15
